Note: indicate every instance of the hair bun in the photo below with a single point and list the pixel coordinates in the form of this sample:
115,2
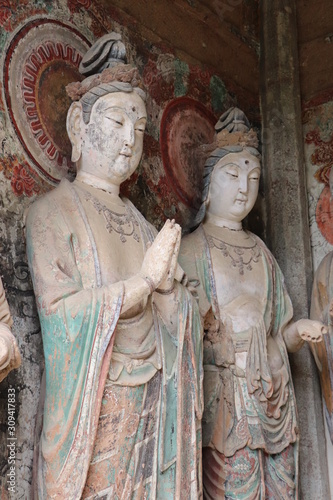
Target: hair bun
233,120
106,52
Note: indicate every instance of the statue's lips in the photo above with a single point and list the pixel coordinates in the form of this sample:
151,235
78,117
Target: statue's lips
126,152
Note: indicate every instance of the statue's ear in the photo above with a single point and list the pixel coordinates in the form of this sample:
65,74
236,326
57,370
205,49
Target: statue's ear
330,178
73,124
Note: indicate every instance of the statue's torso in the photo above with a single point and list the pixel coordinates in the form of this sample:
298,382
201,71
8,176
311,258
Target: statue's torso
120,248
244,349
116,232
241,288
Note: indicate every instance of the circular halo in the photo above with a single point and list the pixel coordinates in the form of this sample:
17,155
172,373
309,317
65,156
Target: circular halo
186,124
42,58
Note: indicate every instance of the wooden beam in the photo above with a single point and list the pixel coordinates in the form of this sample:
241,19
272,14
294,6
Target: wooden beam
195,35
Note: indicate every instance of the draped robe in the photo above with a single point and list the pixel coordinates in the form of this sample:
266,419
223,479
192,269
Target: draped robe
229,395
79,316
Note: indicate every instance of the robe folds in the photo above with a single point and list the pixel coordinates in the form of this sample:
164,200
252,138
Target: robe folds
256,407
79,315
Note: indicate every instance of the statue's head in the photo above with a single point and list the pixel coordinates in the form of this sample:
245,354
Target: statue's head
107,119
232,170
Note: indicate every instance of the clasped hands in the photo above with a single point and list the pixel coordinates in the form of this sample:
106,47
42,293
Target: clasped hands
160,265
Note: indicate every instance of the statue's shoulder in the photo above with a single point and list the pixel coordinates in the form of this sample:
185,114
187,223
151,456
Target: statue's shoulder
261,244
53,201
194,241
192,248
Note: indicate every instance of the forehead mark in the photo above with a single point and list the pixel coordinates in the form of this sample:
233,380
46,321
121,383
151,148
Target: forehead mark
240,166
122,109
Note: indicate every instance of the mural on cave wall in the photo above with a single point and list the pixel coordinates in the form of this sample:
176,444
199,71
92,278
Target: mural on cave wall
41,43
318,138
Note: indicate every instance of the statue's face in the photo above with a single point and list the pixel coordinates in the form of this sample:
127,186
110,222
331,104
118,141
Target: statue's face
234,186
111,143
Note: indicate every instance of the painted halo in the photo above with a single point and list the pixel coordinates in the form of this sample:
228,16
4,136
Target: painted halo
41,59
186,124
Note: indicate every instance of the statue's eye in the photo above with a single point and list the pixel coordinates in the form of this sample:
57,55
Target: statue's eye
232,173
140,126
117,120
255,176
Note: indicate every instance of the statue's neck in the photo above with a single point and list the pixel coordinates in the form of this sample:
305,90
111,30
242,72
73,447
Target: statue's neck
215,220
98,183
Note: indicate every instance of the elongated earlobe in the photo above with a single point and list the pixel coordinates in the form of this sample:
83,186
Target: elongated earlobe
76,154
74,119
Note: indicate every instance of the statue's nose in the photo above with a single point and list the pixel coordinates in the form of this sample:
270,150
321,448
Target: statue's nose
129,138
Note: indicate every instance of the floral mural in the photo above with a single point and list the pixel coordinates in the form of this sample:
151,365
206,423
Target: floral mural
318,137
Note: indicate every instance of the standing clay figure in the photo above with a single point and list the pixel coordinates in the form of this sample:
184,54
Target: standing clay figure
9,354
322,310
121,336
250,436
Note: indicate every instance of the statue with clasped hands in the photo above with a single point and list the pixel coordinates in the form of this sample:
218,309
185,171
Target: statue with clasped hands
121,335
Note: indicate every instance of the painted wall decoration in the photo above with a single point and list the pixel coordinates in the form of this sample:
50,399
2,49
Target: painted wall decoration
41,43
186,126
318,139
41,59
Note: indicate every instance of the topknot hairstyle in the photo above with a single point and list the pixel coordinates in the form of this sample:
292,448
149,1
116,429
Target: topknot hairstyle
106,71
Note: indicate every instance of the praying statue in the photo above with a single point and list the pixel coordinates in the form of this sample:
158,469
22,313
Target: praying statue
10,357
121,398
250,431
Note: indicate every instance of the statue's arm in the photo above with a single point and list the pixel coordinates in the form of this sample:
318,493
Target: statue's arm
294,333
312,330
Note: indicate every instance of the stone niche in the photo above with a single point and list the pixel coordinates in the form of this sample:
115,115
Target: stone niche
188,87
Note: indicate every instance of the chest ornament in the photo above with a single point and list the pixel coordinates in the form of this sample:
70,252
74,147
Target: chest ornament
125,225
241,257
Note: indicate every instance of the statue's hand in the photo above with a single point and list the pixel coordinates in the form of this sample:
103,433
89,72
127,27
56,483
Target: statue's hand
160,256
175,270
310,330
